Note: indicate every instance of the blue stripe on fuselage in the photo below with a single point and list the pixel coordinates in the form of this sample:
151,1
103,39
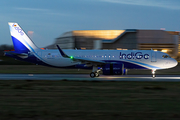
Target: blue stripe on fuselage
34,59
128,64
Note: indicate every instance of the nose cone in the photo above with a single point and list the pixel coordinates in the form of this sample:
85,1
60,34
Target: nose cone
174,62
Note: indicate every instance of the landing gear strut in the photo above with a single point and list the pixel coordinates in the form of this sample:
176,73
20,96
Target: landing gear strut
153,73
95,72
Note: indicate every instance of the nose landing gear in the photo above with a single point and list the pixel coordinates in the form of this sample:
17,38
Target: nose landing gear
153,73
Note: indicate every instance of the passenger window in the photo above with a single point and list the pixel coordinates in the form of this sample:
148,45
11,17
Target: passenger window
146,57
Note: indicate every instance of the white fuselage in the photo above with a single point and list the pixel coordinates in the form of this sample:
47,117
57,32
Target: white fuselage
110,61
148,59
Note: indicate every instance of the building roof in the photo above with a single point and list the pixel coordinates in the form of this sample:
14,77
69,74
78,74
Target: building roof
100,34
123,33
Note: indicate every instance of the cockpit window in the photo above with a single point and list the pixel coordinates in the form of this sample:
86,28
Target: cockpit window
166,56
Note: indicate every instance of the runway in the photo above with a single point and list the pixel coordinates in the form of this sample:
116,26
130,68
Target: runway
85,77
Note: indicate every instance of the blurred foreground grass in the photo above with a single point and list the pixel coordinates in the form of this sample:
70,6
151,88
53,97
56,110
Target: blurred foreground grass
74,100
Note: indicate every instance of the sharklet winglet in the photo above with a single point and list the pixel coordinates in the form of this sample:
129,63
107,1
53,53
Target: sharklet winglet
62,53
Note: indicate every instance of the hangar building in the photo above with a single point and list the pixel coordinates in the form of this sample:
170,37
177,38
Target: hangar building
129,39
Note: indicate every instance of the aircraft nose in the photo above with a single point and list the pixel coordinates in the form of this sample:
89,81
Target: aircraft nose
174,63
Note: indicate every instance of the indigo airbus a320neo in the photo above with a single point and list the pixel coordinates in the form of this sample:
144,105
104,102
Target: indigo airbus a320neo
110,62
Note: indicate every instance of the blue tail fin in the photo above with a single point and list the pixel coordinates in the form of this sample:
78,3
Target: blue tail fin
22,43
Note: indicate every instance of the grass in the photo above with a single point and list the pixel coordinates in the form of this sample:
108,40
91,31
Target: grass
74,100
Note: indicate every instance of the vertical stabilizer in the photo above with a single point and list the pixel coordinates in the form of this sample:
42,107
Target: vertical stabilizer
22,43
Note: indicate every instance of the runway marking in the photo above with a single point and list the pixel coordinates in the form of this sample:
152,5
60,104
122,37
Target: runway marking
30,75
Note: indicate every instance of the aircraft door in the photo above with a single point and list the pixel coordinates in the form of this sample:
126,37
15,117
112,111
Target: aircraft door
39,53
153,56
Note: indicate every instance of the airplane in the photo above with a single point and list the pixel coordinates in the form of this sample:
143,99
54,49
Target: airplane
110,62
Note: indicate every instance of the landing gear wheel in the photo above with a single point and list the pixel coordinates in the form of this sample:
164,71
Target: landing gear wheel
92,75
153,73
97,75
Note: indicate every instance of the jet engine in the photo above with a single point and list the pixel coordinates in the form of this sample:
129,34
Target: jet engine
114,69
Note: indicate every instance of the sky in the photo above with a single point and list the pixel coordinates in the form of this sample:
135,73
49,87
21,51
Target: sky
46,20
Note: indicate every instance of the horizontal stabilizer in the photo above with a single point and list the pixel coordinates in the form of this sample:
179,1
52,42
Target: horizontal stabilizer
13,53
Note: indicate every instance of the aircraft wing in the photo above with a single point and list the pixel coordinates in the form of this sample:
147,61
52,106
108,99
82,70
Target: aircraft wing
83,60
89,61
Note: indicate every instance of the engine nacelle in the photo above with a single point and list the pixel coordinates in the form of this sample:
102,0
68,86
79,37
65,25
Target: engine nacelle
114,69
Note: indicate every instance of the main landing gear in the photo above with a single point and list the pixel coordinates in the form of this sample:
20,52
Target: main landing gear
153,73
95,72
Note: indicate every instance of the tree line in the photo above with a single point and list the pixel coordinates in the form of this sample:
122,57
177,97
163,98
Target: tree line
5,47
